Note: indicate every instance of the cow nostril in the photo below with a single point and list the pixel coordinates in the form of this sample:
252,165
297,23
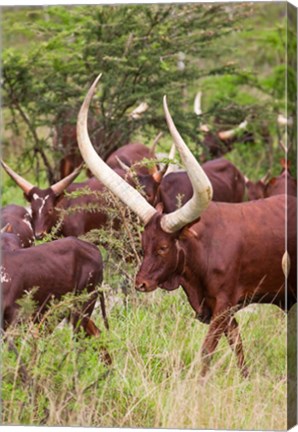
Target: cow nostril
141,287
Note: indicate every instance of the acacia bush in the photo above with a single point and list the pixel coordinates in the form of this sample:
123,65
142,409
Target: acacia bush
157,50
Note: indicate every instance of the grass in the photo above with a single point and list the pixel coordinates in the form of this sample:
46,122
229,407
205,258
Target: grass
155,377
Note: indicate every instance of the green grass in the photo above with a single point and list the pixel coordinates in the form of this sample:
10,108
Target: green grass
155,377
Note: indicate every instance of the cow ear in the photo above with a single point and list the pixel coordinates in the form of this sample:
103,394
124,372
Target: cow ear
188,232
58,198
159,207
272,181
8,228
26,196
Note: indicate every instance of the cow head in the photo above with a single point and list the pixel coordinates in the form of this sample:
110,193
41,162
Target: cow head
163,257
256,190
217,142
9,241
147,183
43,201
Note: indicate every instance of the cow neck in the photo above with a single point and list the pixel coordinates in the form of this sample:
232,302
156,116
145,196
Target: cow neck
193,288
194,293
180,259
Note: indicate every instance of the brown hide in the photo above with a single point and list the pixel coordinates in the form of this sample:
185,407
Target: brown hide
255,190
47,208
231,257
131,154
9,241
20,223
218,147
79,222
284,183
56,268
227,182
141,177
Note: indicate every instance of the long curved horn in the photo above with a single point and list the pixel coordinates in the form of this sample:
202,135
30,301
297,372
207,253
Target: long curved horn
20,181
137,112
266,177
170,166
122,164
197,104
225,135
126,193
155,142
198,111
202,189
61,185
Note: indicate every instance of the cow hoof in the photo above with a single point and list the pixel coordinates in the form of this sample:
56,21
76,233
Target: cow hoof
105,357
245,372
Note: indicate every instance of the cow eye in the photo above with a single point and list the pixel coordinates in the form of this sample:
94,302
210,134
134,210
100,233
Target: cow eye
162,250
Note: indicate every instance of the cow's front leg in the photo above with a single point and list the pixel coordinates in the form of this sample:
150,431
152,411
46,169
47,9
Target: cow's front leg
218,326
233,335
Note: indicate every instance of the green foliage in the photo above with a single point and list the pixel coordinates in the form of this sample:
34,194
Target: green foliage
235,54
136,47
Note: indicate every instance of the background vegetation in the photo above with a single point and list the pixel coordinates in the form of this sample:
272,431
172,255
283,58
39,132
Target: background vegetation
235,54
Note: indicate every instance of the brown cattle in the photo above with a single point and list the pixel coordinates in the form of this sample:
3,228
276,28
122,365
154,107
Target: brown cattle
20,223
8,240
47,204
219,142
65,138
282,184
223,255
255,190
54,269
131,154
227,182
83,212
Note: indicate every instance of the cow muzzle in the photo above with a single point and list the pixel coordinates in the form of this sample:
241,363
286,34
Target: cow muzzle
40,235
145,285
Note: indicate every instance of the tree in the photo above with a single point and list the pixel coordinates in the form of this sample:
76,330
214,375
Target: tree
143,51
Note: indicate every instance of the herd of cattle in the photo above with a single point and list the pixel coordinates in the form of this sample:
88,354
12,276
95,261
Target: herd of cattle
200,233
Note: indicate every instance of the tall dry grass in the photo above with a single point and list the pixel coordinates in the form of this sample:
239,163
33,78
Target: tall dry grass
155,377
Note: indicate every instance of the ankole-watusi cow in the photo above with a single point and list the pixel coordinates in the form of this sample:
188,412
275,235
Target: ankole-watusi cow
219,142
84,212
8,240
19,222
53,269
43,202
223,255
284,183
78,214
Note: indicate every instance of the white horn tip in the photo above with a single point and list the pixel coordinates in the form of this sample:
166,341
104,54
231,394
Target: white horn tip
95,83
